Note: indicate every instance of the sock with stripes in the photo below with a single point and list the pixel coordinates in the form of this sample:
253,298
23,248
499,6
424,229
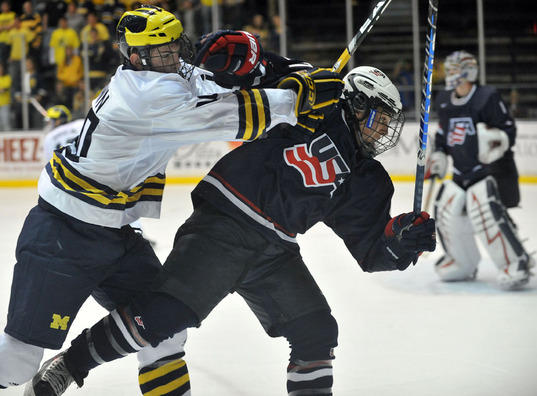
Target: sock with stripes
305,378
107,340
167,376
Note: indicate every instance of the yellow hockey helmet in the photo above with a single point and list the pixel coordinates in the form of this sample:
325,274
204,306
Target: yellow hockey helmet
148,27
59,112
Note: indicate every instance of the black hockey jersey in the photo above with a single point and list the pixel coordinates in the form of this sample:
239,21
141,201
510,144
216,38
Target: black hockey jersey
286,183
457,135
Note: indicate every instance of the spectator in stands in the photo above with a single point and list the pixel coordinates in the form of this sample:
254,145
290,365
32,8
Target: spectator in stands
33,86
59,95
206,13
259,28
7,18
75,19
234,14
111,12
31,21
5,99
187,11
54,10
70,72
18,38
100,57
94,23
61,38
276,32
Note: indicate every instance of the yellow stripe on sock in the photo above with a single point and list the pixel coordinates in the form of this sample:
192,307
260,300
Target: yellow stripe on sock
161,371
165,389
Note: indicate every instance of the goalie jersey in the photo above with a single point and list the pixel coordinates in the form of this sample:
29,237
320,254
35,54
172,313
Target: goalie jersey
286,183
115,171
457,136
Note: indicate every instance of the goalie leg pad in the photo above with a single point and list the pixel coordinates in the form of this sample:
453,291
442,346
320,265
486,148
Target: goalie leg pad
498,233
456,235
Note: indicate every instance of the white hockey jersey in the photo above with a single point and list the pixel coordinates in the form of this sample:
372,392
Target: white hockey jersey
115,172
61,136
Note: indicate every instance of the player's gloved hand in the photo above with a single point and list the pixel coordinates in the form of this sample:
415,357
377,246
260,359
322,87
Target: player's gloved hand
234,57
492,143
309,122
436,165
407,236
317,89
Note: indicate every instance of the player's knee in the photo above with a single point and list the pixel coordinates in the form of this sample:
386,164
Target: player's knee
19,361
312,336
152,318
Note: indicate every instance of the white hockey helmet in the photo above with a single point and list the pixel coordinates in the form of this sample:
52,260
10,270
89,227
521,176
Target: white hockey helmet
460,66
373,109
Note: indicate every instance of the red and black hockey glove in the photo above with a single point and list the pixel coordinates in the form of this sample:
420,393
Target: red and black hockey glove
407,236
234,57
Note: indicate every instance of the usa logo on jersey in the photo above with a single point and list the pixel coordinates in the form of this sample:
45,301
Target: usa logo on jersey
319,163
459,128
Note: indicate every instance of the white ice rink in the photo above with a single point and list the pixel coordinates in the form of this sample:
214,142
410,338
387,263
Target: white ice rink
401,334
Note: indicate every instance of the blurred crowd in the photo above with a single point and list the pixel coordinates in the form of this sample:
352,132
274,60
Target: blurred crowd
50,50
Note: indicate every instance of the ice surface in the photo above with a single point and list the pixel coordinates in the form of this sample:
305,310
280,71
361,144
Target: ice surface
403,333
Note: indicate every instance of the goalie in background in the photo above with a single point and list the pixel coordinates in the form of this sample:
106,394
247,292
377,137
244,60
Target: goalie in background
477,131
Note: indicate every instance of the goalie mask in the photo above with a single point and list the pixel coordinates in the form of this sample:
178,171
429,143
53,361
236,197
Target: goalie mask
460,66
373,110
158,39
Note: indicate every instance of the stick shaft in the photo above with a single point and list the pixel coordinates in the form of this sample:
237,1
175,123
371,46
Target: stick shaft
359,37
425,104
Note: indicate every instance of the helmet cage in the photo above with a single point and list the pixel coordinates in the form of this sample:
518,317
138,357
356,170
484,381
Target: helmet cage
182,46
376,125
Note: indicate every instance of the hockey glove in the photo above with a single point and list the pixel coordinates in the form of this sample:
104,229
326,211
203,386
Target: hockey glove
234,57
407,236
436,165
317,89
309,122
492,143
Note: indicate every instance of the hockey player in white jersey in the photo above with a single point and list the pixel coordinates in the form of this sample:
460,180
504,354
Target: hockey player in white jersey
77,241
62,130
477,131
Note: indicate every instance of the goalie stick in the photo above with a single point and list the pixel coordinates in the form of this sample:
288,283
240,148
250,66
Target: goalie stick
359,37
425,104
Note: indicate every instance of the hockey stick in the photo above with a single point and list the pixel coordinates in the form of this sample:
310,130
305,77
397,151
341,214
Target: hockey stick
38,106
432,181
425,104
359,37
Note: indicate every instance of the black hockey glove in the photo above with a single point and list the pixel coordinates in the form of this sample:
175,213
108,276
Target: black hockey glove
318,90
234,57
309,122
406,237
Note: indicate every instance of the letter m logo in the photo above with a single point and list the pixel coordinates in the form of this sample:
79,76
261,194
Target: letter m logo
320,164
59,323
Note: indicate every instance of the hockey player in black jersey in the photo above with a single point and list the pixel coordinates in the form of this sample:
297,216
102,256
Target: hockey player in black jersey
241,236
77,241
478,132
